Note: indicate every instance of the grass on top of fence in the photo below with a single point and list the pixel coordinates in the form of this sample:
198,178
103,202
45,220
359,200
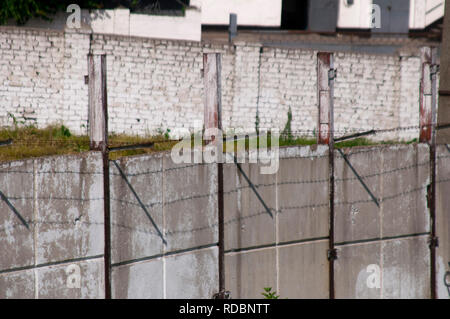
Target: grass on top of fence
29,141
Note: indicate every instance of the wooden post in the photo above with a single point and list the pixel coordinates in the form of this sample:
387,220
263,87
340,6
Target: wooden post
213,120
325,86
212,99
98,114
325,83
98,137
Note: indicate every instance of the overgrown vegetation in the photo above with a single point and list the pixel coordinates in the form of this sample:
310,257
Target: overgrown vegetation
269,294
286,134
367,142
29,141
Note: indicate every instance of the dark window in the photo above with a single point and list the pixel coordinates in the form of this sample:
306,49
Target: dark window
294,14
323,15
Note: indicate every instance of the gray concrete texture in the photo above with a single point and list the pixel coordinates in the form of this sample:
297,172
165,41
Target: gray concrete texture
297,197
289,253
403,266
443,221
51,227
397,176
164,228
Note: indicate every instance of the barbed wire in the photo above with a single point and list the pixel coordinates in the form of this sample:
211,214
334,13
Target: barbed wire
15,198
281,210
395,170
314,132
150,172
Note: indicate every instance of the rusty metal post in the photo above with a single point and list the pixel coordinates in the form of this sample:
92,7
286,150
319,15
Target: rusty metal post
432,205
425,121
428,101
98,138
213,120
325,86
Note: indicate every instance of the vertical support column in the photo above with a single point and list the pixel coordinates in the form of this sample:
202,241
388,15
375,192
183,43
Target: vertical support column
97,102
425,121
213,120
433,69
443,137
325,85
213,91
98,138
428,105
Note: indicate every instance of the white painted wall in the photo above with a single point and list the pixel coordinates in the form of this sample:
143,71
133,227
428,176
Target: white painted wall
121,22
356,15
167,27
425,12
265,13
422,13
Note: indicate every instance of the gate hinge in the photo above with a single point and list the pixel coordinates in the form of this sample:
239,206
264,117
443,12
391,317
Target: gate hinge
222,295
433,242
332,254
429,196
332,73
434,69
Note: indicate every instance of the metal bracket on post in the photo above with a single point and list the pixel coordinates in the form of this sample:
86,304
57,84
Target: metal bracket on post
222,295
332,74
332,254
433,242
434,69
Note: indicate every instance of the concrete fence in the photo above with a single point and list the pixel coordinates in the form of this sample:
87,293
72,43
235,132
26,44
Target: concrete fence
164,226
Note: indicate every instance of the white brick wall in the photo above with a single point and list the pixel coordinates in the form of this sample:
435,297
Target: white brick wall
367,91
30,75
288,79
158,84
